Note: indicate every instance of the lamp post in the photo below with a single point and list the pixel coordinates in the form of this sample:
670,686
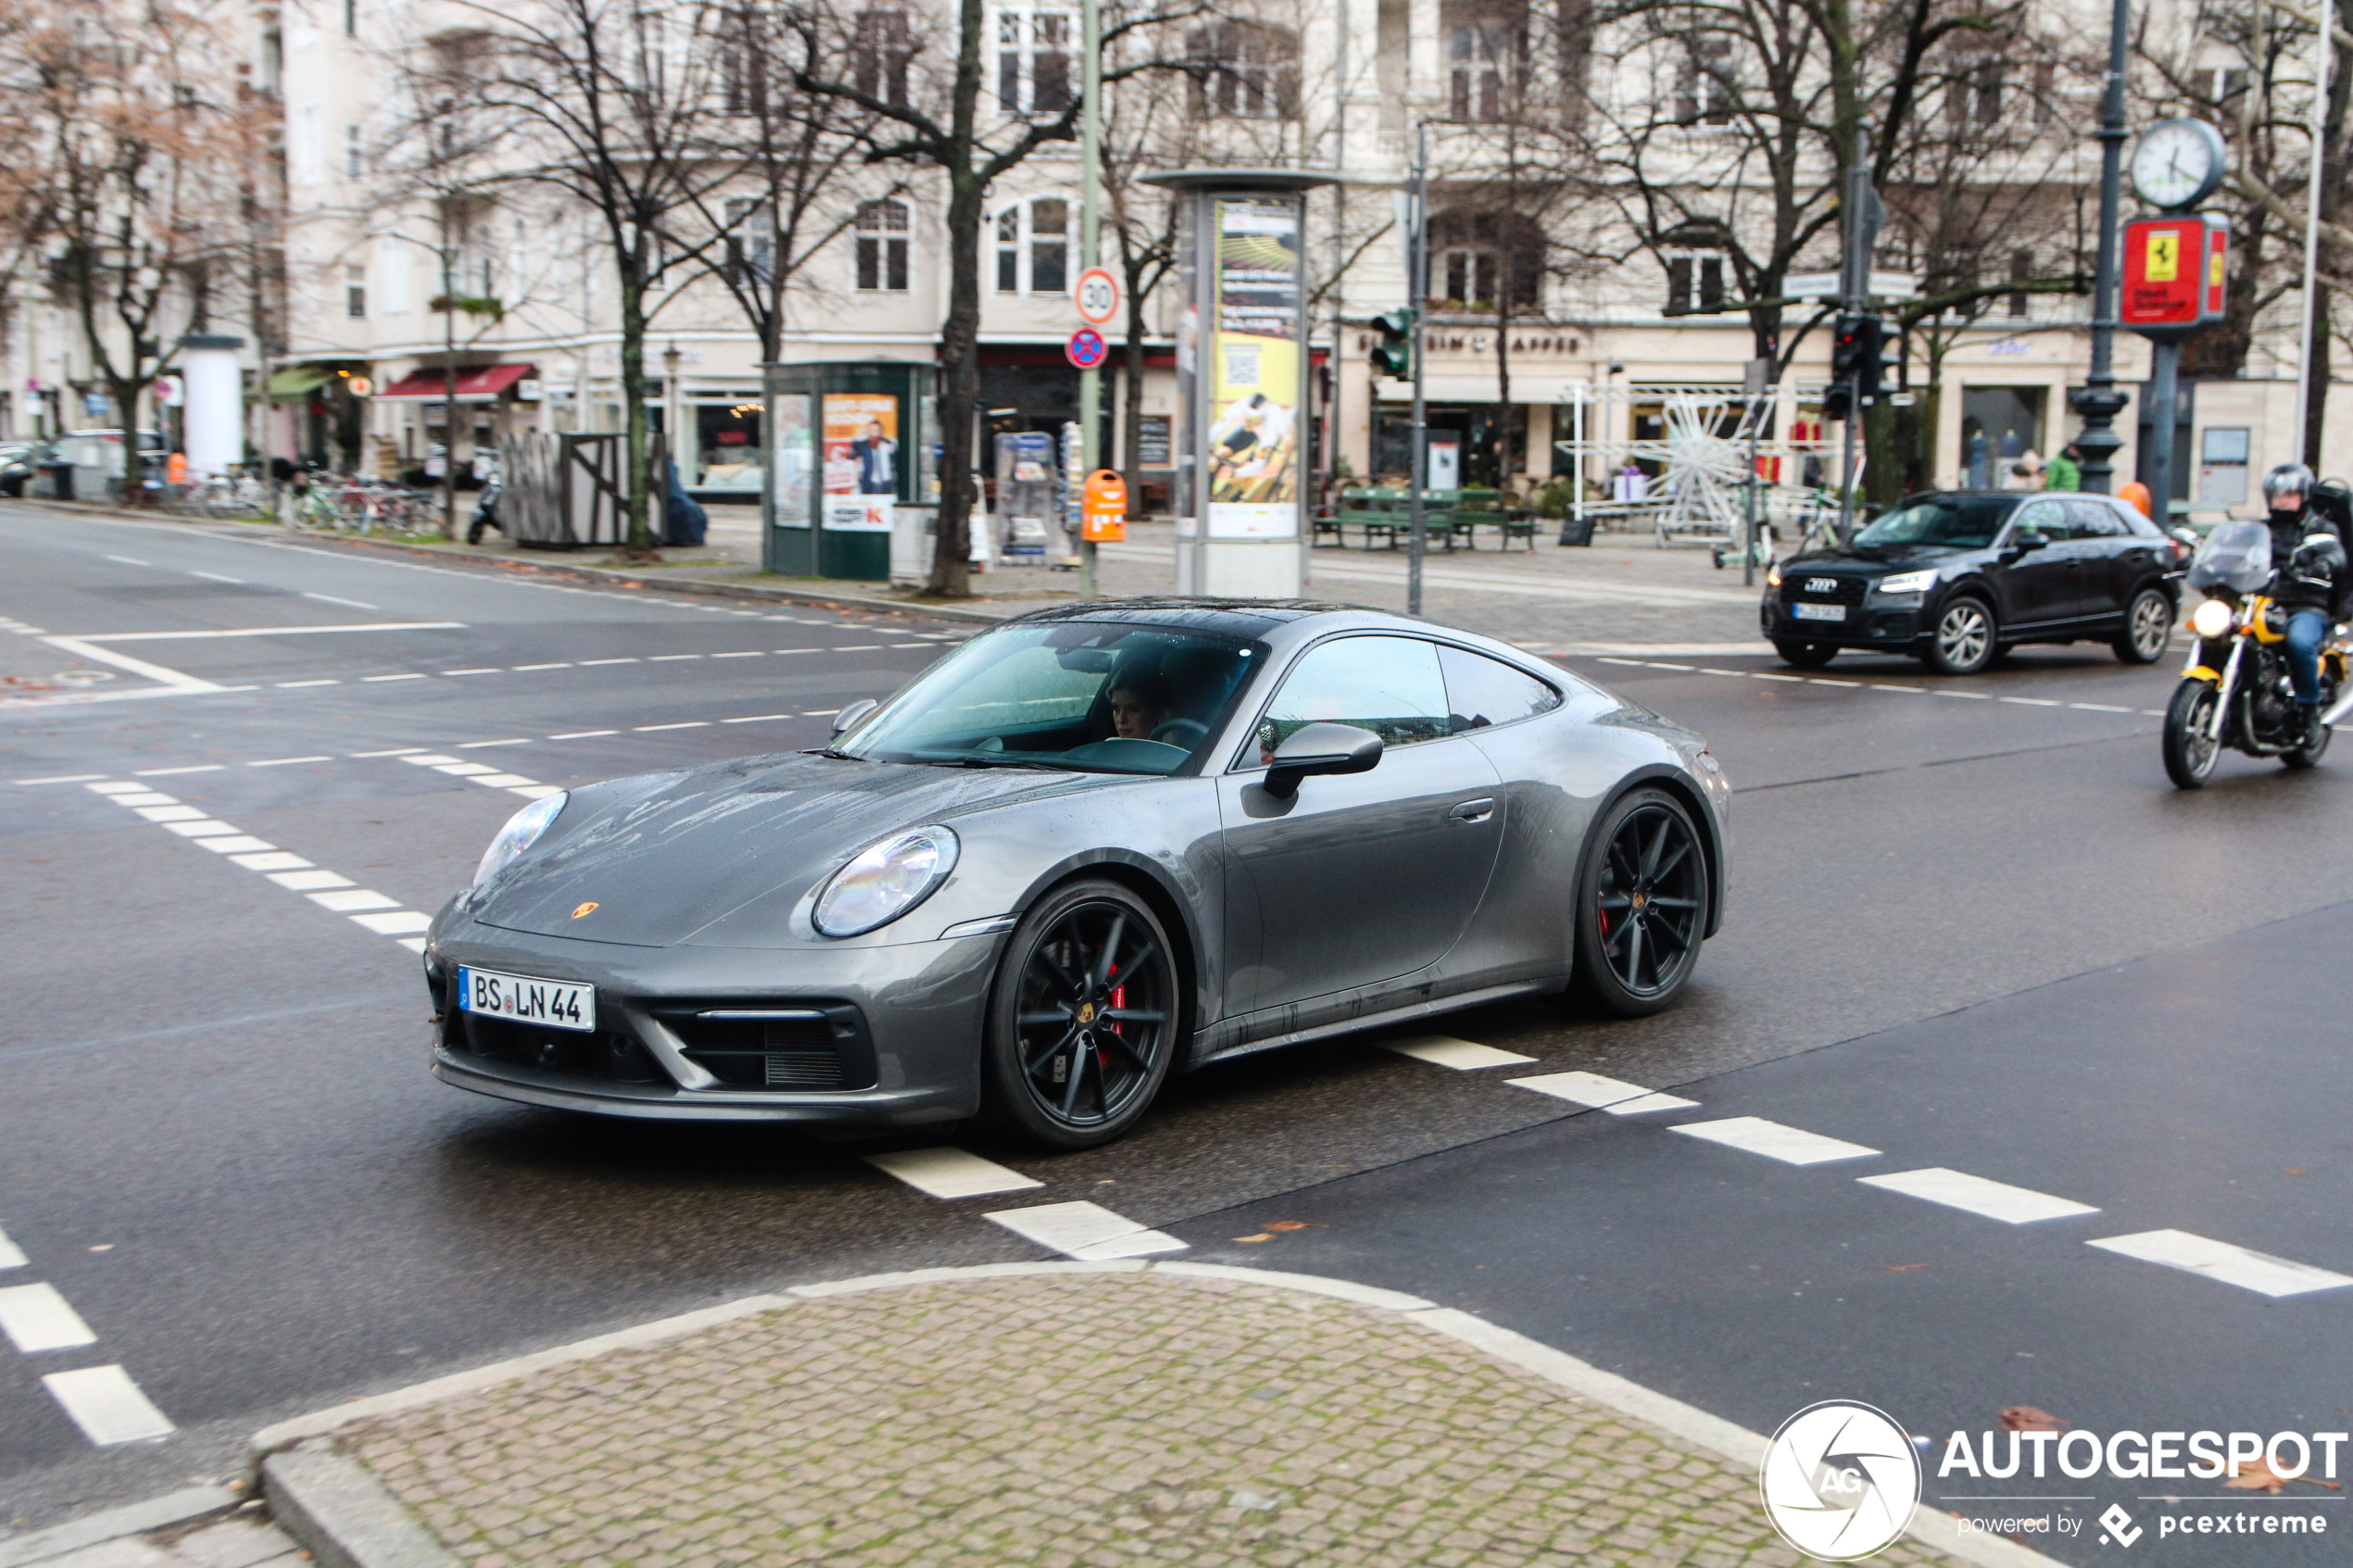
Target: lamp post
1091,248
2099,401
674,411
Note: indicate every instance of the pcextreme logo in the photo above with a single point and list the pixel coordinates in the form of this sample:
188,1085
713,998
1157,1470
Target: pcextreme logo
1840,1481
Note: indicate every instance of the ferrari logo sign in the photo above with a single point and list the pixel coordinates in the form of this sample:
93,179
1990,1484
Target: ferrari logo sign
2164,264
2175,274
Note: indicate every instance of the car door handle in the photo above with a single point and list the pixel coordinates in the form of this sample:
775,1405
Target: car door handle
1473,811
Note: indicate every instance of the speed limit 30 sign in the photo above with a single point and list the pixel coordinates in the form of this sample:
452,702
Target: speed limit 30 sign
1097,295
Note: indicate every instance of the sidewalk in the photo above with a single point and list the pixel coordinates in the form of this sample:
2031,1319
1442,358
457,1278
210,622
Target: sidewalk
1066,1413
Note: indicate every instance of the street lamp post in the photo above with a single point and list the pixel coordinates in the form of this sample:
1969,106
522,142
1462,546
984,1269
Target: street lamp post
2099,401
1090,232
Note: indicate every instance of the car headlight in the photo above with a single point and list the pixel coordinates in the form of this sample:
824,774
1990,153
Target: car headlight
1908,581
2211,618
884,881
522,829
1773,575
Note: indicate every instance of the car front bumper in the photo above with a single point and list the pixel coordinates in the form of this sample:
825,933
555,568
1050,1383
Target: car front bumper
1865,626
903,1024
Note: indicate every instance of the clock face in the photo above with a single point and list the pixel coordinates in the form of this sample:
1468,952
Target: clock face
2177,163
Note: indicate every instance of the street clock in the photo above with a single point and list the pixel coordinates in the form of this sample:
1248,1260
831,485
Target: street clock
2178,164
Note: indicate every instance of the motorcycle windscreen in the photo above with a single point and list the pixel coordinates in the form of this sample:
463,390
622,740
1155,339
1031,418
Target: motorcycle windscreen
2237,556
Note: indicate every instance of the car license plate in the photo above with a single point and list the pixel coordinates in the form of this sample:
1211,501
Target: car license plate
556,1003
1818,612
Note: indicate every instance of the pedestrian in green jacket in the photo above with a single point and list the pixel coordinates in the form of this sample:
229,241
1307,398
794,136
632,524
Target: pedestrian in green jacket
2062,472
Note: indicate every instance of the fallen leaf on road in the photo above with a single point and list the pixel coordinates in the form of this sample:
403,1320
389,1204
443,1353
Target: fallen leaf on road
1246,1240
2260,1476
1904,1268
2026,1418
2294,1171
1291,1225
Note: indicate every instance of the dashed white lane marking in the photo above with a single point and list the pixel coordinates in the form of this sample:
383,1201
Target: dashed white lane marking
126,560
2259,1272
1791,1146
949,1173
287,761
108,1406
1462,1056
35,1318
750,719
215,577
688,724
63,778
1086,1231
475,772
395,751
478,745
591,663
296,685
365,908
330,599
168,813
10,1256
1977,1195
1597,1093
485,669
166,772
377,678
560,665
583,734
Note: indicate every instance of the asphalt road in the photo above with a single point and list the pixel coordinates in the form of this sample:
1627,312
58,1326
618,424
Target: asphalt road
1971,928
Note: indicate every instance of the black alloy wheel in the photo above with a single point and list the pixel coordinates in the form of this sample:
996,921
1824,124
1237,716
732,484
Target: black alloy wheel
1805,656
2190,747
1085,1018
2148,628
1642,909
1965,640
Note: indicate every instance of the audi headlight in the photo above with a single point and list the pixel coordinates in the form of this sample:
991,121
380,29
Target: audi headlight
522,829
884,881
1908,583
1773,575
2212,620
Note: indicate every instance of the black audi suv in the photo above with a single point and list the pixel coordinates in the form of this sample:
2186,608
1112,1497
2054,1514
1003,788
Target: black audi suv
1955,578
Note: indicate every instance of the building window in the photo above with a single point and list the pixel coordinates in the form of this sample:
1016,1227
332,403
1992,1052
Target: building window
2021,268
1479,261
355,293
1973,93
1034,59
1694,279
1033,248
1704,88
1486,53
354,162
1247,72
882,247
752,241
879,54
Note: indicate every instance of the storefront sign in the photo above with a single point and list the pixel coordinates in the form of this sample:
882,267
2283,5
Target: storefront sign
862,462
1152,441
1254,395
2176,274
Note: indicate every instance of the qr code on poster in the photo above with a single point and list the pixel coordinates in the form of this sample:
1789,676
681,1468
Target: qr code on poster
1241,364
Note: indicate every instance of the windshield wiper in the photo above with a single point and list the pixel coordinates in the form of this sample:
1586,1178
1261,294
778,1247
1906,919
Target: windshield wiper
1012,763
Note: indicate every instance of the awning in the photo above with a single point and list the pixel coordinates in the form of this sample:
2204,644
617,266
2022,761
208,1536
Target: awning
479,383
295,382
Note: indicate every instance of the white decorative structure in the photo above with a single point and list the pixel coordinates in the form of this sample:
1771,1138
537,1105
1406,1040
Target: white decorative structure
214,391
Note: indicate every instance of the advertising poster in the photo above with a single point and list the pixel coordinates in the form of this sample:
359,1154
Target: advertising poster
862,462
1253,400
793,460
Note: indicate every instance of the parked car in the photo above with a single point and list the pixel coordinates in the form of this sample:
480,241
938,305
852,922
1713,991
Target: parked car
1957,578
16,466
1089,847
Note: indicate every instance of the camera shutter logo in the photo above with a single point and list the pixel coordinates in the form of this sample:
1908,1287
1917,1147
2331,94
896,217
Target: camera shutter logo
1840,1481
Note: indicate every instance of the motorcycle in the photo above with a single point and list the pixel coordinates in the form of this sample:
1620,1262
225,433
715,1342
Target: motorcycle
2236,691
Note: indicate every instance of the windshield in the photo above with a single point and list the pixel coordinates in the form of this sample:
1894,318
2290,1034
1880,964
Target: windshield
1960,522
2236,554
1095,697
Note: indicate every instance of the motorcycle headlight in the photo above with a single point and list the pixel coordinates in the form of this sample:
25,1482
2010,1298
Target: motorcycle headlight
522,829
1908,581
884,881
2212,620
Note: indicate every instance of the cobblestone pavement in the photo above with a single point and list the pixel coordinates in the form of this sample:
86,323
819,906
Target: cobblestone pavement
1080,1419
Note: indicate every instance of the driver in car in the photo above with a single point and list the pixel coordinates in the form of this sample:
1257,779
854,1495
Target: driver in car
2313,568
1141,702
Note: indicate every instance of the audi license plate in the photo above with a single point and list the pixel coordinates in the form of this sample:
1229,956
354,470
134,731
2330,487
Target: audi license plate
1818,612
557,1003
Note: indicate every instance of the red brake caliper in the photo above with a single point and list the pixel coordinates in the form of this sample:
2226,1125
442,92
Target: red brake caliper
1118,999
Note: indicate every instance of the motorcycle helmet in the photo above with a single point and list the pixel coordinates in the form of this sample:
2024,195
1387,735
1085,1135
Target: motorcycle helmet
2285,479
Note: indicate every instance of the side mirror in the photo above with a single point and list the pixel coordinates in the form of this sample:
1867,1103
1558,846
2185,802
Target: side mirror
2026,540
1321,748
855,715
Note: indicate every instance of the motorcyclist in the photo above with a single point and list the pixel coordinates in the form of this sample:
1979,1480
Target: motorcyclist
2313,565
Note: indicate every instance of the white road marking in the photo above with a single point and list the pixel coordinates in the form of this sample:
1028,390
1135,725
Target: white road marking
414,676
583,734
949,1173
291,685
819,713
116,788
753,654
1976,1194
1086,1231
216,577
164,772
348,604
61,778
275,860
856,648
565,664
1915,691
671,657
400,923
478,745
208,827
1595,1092
427,759
2030,701
308,881
126,560
2100,708
504,781
166,814
35,1318
1973,697
270,632
237,843
690,725
395,751
487,671
12,1256
591,663
351,900
1462,1056
464,769
1791,1146
758,719
2259,1272
287,761
535,792
108,1406
144,798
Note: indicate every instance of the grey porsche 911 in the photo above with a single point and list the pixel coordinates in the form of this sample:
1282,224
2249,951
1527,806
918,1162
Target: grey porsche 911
1090,847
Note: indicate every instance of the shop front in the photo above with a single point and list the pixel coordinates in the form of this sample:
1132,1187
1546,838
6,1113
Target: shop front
425,438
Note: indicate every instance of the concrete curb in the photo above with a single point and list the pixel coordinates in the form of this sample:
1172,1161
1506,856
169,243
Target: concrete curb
328,1534
133,1519
343,1515
657,578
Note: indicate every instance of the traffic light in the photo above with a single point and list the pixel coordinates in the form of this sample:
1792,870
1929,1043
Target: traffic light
1838,400
1394,356
1855,340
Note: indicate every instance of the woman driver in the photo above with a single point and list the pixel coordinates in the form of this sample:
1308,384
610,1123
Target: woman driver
1141,702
